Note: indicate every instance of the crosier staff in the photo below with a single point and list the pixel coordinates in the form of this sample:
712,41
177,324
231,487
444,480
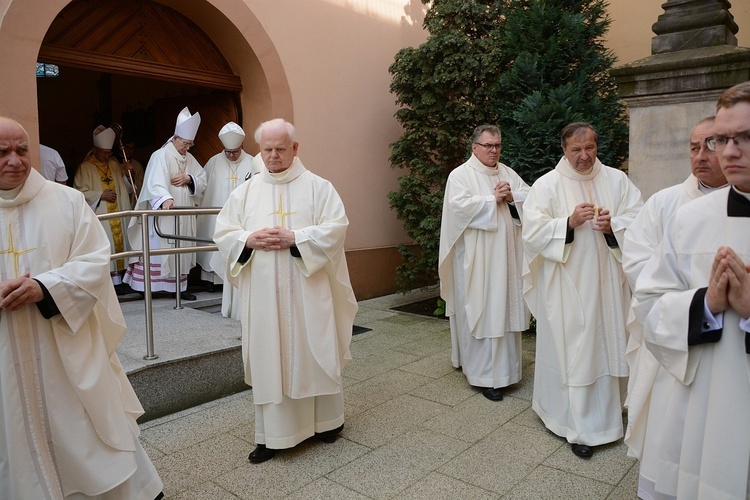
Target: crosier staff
118,131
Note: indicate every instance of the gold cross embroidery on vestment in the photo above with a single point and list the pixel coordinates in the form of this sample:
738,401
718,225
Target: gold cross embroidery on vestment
281,212
11,250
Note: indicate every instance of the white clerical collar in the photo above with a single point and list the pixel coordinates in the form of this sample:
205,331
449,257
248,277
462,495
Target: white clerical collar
708,189
10,193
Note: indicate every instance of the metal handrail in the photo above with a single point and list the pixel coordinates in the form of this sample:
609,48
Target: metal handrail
146,254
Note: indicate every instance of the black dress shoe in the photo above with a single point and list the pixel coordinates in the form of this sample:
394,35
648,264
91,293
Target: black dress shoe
186,295
582,450
329,436
260,454
492,394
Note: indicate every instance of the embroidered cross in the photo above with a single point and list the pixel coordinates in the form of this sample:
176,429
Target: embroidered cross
11,250
281,212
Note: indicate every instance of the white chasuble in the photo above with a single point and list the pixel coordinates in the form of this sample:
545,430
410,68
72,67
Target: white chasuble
703,450
480,273
580,297
297,312
164,164
222,177
92,179
67,409
641,241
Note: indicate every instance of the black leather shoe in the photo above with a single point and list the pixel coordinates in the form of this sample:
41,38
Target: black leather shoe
492,394
582,450
260,454
187,296
329,436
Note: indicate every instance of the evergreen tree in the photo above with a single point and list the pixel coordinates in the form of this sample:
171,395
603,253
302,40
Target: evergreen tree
530,66
442,88
560,74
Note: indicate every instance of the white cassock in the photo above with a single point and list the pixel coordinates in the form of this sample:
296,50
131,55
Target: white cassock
645,413
480,273
297,312
92,179
703,448
222,177
67,410
580,298
164,164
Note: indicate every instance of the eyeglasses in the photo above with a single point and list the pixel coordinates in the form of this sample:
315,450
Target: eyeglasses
718,143
186,143
235,152
489,147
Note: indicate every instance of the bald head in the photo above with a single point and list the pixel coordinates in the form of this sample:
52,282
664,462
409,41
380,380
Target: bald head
15,163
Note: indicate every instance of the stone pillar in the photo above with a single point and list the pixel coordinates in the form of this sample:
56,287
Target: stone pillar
694,59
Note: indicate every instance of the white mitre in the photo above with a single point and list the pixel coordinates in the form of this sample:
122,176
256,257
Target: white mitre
104,138
231,135
187,124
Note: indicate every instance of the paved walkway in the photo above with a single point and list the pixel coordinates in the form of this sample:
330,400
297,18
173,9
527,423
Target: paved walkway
414,429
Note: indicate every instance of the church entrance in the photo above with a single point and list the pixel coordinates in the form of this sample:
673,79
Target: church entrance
136,64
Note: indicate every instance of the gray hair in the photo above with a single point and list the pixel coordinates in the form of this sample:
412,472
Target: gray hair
492,129
276,125
575,129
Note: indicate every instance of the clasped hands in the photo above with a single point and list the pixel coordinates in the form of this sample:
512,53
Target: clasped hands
502,192
729,284
180,180
270,238
17,292
588,211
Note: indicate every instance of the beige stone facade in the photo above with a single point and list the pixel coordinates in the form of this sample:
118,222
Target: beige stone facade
322,64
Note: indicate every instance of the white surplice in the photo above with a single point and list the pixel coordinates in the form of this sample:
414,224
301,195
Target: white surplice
164,164
580,298
297,312
480,274
89,180
641,241
67,409
703,449
222,177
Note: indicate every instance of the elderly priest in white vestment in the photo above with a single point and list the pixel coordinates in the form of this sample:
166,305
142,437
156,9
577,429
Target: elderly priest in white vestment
104,182
173,178
574,219
650,388
480,266
693,298
224,172
282,233
67,411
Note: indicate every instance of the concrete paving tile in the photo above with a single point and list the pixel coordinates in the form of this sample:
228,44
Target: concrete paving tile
383,423
439,341
405,319
290,470
544,483
366,315
476,417
529,418
609,464
325,489
436,486
190,429
519,441
196,465
402,461
450,389
523,389
628,487
434,366
489,468
153,453
367,368
387,336
382,388
208,491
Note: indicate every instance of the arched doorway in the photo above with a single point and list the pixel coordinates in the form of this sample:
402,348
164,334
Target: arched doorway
134,63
